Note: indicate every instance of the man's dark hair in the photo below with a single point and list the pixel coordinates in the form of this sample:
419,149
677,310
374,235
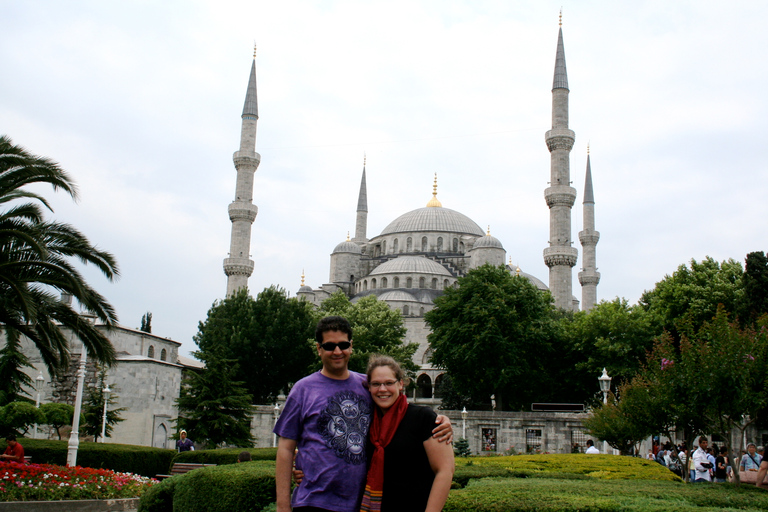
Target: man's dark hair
332,323
10,437
244,456
590,442
703,438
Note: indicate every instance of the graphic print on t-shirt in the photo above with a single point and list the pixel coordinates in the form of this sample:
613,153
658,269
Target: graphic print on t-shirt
344,426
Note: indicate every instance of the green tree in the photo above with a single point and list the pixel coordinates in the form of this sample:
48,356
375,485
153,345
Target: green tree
93,408
36,262
461,448
214,408
755,286
59,415
12,376
690,296
269,337
376,328
146,322
17,417
611,423
494,334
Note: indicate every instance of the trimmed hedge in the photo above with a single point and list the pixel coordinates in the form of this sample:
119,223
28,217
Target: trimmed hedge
246,486
592,494
224,456
125,458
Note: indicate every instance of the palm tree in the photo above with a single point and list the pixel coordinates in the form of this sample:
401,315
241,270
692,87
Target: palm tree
36,265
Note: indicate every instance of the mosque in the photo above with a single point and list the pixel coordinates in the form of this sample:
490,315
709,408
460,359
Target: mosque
424,251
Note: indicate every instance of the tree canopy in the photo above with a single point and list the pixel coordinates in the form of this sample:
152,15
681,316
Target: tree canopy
494,333
36,264
269,337
376,328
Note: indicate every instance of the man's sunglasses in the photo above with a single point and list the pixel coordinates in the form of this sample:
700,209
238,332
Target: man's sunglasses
330,347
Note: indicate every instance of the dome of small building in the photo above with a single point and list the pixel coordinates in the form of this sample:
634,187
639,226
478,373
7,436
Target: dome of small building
305,289
397,295
433,219
538,283
348,246
410,265
488,241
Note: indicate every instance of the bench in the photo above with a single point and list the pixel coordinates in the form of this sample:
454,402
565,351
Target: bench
179,468
27,459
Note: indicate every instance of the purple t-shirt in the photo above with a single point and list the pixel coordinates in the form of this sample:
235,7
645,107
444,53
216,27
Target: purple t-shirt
329,419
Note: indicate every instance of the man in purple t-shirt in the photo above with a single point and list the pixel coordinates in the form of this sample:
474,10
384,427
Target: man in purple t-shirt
326,416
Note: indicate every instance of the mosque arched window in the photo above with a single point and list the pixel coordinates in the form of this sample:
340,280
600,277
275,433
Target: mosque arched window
421,311
409,244
424,244
397,282
439,244
423,386
422,282
383,282
427,357
440,386
405,310
365,285
373,283
151,351
163,355
394,246
445,284
383,247
455,245
409,283
434,283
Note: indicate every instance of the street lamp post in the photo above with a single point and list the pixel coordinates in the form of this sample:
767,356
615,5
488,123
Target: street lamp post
464,423
276,414
106,392
74,437
605,387
39,383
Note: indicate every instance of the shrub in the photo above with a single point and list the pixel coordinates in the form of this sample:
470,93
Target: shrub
245,486
124,458
224,456
159,497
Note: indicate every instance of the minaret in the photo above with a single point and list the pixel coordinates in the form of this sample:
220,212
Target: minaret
242,211
589,277
361,226
560,256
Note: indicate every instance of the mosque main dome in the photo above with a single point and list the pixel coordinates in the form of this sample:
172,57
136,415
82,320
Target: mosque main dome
433,219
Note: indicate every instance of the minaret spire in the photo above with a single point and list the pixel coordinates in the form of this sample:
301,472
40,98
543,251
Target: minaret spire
361,224
589,277
242,212
560,256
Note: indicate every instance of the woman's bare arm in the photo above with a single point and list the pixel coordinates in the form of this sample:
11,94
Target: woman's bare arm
440,457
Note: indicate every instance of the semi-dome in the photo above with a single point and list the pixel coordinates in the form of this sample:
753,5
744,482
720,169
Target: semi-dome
348,246
397,295
433,219
410,265
305,289
535,281
488,242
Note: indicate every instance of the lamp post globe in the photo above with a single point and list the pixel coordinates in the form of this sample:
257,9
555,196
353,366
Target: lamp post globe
106,392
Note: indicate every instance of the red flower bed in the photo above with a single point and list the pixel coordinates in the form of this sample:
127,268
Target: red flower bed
43,482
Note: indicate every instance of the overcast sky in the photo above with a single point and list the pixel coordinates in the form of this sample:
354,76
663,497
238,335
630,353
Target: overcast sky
141,100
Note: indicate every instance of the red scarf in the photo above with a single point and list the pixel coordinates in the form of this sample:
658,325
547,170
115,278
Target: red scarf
382,431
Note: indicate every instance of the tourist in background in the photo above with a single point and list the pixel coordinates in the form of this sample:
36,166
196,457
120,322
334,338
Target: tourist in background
751,460
184,444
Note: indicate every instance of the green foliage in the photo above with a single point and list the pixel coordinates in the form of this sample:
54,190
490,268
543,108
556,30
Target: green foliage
612,335
12,376
93,409
146,322
494,334
690,296
224,456
461,448
376,328
37,264
214,408
245,486
612,424
268,337
125,458
59,415
755,286
18,417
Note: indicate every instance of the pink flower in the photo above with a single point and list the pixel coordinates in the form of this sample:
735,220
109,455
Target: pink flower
666,363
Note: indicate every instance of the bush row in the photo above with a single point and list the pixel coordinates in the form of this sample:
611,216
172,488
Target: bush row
124,458
224,456
246,486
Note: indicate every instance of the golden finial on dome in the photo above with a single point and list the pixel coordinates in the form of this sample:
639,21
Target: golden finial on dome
434,202
254,49
587,147
510,261
364,158
488,233
517,271
347,236
561,16
302,277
